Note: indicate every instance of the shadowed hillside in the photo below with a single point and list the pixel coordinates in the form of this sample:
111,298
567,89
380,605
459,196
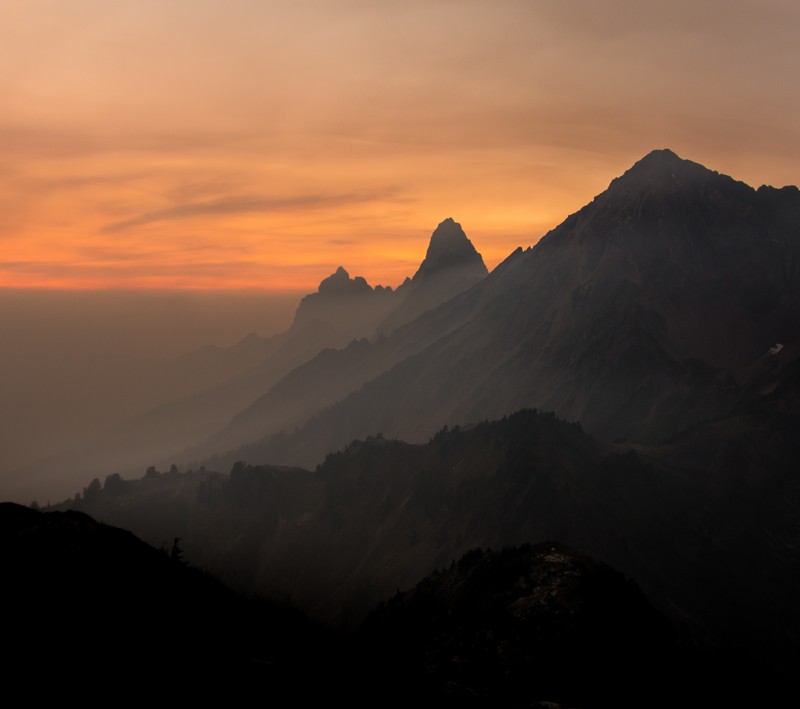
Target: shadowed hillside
647,311
706,523
92,603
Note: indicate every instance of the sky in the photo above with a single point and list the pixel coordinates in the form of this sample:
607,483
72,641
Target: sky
259,144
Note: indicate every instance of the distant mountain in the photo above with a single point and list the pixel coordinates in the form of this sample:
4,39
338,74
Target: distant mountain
662,318
356,310
350,307
451,265
645,312
204,390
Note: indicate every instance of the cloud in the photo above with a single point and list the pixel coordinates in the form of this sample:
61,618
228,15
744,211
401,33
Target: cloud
21,266
243,205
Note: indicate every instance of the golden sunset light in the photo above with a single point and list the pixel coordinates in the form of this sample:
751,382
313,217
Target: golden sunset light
261,144
401,352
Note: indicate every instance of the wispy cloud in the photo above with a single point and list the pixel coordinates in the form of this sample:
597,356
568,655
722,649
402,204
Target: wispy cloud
341,242
243,205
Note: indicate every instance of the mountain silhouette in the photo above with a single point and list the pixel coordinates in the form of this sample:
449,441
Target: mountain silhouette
449,248
527,623
662,318
350,306
354,308
83,597
707,523
645,312
225,396
451,266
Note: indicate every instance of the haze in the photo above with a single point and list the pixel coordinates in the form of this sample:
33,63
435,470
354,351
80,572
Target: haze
261,144
74,363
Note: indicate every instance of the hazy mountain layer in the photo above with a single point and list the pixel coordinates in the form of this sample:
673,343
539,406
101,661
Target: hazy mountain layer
647,311
202,392
352,307
708,524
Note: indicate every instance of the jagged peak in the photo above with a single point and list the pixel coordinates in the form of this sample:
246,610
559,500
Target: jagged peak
340,282
449,246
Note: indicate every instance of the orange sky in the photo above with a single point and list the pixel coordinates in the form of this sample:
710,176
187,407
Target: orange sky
260,144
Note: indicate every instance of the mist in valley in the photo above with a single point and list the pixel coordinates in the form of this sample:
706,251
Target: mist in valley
274,427
75,363
627,387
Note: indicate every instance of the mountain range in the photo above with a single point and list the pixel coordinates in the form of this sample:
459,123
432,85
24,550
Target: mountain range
653,308
628,386
209,393
87,596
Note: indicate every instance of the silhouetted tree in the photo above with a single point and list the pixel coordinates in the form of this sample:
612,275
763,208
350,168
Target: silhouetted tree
177,553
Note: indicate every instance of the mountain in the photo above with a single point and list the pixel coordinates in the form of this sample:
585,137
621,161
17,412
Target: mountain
707,523
451,265
356,310
645,312
92,604
661,318
351,306
529,623
449,251
226,392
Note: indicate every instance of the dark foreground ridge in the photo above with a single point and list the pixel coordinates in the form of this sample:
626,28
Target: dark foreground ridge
706,524
515,627
531,623
91,604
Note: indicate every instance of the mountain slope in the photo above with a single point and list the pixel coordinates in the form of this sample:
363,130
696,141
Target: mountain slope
91,603
451,266
228,389
639,315
528,623
707,524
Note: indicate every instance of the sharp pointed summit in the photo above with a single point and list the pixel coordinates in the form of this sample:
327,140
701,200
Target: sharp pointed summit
450,247
451,266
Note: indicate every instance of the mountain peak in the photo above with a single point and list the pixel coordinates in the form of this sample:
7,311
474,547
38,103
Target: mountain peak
340,283
663,156
660,168
448,247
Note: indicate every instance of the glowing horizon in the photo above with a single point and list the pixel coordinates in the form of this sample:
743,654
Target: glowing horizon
202,145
